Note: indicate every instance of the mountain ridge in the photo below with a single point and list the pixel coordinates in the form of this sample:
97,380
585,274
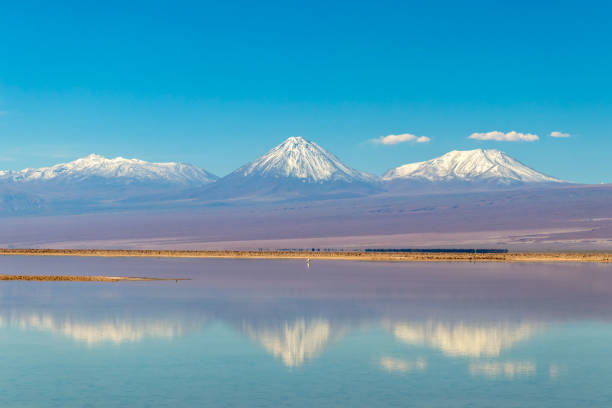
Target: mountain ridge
478,165
118,168
295,170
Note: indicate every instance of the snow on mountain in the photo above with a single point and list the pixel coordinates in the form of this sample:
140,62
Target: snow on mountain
479,165
296,168
298,158
118,169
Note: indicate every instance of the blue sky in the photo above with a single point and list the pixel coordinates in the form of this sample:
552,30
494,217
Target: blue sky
218,83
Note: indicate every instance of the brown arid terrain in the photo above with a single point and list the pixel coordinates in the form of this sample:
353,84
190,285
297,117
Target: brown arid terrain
599,257
564,219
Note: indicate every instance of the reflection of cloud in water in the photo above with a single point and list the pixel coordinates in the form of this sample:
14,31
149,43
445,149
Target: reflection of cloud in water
555,371
507,369
403,366
109,330
297,341
460,339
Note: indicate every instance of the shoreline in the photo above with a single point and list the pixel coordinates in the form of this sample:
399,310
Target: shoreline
591,257
80,278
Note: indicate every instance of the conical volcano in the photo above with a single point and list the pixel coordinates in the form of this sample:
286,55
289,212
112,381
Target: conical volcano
295,168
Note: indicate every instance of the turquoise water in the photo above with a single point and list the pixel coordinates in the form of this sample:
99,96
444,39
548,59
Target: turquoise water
278,334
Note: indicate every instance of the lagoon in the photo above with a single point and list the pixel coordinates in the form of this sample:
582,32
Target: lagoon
269,333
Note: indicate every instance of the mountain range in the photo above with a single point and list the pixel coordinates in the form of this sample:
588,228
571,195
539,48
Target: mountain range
96,168
295,169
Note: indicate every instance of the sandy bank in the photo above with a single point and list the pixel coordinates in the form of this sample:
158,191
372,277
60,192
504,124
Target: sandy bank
71,278
600,257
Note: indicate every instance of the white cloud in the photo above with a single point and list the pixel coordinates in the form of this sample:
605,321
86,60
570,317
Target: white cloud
505,137
404,137
559,134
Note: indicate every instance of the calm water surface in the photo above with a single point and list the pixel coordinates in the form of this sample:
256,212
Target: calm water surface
257,333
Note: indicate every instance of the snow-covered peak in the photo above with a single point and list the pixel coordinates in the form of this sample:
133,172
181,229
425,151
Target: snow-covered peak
488,165
119,168
299,158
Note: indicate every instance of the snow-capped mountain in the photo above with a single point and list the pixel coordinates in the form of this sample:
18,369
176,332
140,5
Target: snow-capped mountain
298,158
119,169
295,168
488,166
95,182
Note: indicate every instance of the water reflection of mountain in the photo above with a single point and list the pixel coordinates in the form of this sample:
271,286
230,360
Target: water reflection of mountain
463,339
392,364
295,342
506,369
299,340
105,329
295,314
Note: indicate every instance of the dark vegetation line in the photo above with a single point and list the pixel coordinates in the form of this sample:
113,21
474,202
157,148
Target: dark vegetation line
414,250
441,250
